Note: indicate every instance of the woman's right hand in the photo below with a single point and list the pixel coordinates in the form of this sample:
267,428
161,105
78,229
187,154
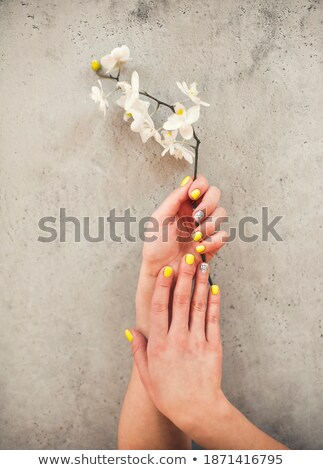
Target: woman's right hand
181,364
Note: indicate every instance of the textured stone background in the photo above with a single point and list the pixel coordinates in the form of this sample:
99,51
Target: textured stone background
64,362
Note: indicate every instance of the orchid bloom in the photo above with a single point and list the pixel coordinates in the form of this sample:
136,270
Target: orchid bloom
183,120
131,92
192,93
142,122
136,110
183,152
98,96
175,148
168,142
117,57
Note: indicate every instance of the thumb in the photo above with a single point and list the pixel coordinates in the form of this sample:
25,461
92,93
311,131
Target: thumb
139,353
171,205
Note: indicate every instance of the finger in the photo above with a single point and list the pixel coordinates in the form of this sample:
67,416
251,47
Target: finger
212,324
160,304
139,353
212,244
182,295
198,188
199,302
173,202
207,204
210,225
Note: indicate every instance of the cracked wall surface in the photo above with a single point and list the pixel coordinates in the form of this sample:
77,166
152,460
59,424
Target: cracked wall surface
64,363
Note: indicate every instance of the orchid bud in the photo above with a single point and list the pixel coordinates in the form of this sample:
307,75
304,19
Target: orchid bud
95,65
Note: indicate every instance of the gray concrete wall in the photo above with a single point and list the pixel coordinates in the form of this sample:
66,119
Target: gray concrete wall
64,362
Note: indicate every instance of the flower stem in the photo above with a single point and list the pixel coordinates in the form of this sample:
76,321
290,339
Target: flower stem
160,103
197,140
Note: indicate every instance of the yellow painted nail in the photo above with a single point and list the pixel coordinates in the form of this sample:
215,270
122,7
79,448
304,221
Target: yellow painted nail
195,194
128,335
200,248
185,180
168,271
215,289
95,64
189,259
197,236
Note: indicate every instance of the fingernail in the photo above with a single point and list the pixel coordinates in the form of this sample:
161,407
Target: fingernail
168,271
200,248
128,335
197,236
215,289
195,194
198,216
189,259
185,180
204,267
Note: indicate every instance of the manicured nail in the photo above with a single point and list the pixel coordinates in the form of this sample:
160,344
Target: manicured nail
198,216
168,271
204,267
185,180
128,335
189,259
215,289
195,194
197,236
200,248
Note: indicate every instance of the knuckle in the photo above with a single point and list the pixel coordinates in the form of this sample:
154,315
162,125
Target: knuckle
135,349
159,307
199,345
198,305
212,318
179,342
181,299
187,270
203,281
154,350
163,283
214,300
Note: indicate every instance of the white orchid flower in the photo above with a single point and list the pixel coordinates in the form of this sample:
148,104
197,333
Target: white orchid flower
118,57
191,92
98,96
142,122
183,152
168,142
131,92
182,120
175,148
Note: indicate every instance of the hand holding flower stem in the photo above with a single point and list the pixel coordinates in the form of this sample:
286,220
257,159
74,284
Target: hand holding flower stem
136,110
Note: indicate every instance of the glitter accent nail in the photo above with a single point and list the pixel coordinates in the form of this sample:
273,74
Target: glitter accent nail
198,216
204,267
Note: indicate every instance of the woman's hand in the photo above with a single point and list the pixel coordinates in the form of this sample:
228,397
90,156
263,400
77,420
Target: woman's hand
177,231
181,364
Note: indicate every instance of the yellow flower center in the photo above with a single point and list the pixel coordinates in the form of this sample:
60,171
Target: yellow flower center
129,114
180,111
169,133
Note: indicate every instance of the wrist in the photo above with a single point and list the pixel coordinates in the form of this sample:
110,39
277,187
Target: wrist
209,420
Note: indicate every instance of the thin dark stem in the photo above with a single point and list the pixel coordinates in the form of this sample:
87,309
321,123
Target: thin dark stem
197,140
160,103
